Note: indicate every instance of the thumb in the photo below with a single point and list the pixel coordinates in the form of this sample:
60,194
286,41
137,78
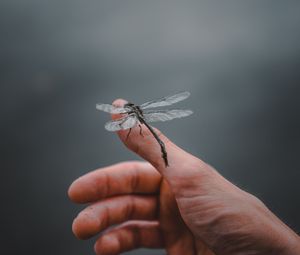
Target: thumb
182,165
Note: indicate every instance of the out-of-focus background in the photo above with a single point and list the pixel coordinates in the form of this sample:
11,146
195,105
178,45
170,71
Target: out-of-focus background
239,59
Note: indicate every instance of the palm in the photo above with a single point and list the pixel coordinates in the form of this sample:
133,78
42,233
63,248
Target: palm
177,236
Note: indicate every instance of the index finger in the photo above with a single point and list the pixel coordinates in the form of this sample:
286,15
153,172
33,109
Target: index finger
122,178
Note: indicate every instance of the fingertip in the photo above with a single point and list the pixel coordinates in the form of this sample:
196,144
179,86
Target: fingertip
85,226
72,192
119,102
75,192
107,244
75,228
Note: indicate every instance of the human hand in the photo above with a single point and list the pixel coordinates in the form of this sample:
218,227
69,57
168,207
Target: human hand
186,208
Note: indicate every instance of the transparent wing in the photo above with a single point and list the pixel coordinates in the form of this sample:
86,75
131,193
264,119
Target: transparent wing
126,122
154,116
165,101
110,108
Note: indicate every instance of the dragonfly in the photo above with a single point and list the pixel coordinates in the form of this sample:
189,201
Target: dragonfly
135,115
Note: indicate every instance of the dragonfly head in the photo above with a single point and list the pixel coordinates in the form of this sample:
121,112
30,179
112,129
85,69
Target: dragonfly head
129,104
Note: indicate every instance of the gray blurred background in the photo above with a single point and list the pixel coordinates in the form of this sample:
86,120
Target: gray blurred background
239,59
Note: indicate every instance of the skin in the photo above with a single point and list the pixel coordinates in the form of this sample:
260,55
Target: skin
186,208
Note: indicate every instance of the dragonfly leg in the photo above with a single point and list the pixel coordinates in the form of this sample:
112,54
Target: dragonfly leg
141,133
128,134
163,152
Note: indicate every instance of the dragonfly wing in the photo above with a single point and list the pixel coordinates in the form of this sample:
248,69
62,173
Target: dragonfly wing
154,116
126,122
165,101
110,108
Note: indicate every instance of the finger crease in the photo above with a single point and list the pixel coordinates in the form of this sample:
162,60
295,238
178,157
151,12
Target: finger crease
107,185
136,236
105,222
130,207
135,179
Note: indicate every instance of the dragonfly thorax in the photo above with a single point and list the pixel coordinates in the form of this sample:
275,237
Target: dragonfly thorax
134,109
129,104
